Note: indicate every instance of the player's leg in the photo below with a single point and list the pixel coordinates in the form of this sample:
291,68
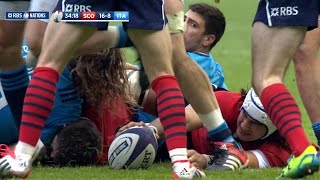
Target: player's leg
272,49
194,83
154,47
269,65
100,40
113,37
60,42
307,68
34,34
13,75
35,29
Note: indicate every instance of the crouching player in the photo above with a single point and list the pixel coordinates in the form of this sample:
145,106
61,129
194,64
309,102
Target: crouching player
65,122
105,106
104,90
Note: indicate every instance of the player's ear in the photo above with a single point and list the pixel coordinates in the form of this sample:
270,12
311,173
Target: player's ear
208,40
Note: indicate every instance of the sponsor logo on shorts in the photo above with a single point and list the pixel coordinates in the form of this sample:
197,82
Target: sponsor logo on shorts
284,11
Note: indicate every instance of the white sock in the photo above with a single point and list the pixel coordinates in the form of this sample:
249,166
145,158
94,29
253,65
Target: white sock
178,154
37,151
24,150
212,120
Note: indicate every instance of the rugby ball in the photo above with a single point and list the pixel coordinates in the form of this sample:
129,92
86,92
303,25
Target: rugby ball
133,148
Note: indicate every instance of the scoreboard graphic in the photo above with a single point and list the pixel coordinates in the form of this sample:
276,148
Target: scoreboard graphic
107,16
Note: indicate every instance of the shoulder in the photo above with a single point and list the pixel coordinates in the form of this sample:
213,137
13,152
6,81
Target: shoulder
229,103
228,98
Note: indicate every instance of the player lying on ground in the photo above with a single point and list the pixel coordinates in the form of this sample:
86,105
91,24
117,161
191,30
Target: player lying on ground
77,83
249,124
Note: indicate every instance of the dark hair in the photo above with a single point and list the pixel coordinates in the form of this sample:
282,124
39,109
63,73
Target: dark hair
101,79
215,22
78,144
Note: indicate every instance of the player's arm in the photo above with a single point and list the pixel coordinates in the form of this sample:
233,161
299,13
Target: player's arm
205,161
253,160
114,37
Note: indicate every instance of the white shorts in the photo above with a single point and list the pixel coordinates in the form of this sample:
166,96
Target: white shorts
6,6
43,5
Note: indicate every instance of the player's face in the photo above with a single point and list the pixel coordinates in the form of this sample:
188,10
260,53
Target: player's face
194,31
248,129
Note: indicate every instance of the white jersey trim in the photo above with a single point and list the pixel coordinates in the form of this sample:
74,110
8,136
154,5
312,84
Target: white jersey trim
263,161
268,13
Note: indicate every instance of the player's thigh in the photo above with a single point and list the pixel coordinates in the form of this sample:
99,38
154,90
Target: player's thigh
35,28
155,50
60,42
272,51
34,34
146,30
312,39
69,36
273,48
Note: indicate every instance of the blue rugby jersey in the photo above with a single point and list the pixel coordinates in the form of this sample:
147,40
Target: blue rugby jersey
212,68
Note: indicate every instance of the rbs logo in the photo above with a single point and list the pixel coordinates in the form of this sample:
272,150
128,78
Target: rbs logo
284,11
75,8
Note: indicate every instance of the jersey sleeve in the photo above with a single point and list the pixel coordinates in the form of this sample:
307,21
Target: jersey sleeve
229,103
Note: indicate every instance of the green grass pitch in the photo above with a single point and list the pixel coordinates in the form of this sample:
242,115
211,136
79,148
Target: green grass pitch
233,52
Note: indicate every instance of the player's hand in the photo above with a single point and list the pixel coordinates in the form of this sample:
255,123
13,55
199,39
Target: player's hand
197,159
131,124
131,67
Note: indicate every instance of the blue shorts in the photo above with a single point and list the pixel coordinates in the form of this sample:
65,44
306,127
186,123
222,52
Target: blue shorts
288,13
143,14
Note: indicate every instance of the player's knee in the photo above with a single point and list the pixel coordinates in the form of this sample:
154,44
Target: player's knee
301,59
301,54
34,45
